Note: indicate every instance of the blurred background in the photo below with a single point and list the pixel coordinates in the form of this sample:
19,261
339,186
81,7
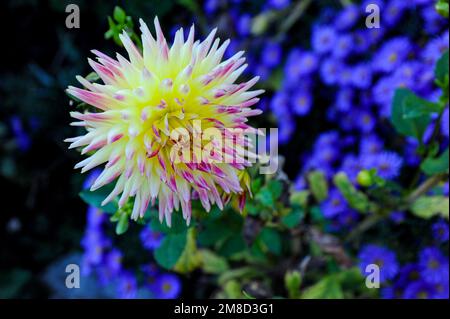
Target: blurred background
329,83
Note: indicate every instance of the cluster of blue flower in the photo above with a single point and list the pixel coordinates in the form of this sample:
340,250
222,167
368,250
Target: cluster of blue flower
427,278
351,72
102,259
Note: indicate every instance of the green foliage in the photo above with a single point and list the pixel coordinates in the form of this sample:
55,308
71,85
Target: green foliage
318,185
438,165
442,8
356,199
170,250
409,126
429,206
292,282
96,198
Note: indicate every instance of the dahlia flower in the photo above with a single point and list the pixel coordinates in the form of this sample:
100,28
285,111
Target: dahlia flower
142,106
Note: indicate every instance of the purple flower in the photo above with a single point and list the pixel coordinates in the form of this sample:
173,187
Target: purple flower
302,102
127,286
167,286
323,39
344,99
95,217
21,137
360,41
419,290
365,121
347,18
293,70
150,239
308,62
433,265
279,104
387,164
371,144
334,205
384,258
408,273
343,46
351,165
440,231
211,6
330,71
391,54
271,54
362,76
278,4
435,48
433,21
445,123
397,217
243,25
393,12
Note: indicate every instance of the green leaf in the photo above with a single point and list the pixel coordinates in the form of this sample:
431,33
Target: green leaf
271,239
232,245
439,165
429,206
119,14
326,288
292,219
414,107
96,197
318,185
292,282
122,224
12,282
190,258
170,250
356,199
414,127
213,263
441,69
270,193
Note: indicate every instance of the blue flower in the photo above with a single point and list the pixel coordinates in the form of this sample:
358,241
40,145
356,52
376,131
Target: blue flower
371,144
323,39
211,6
22,138
408,273
433,21
435,48
344,99
293,69
167,286
347,17
433,265
334,205
95,217
391,54
302,102
351,165
244,25
343,46
393,12
278,4
419,290
271,54
387,164
150,239
362,76
384,258
127,285
330,71
365,121
397,217
440,231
